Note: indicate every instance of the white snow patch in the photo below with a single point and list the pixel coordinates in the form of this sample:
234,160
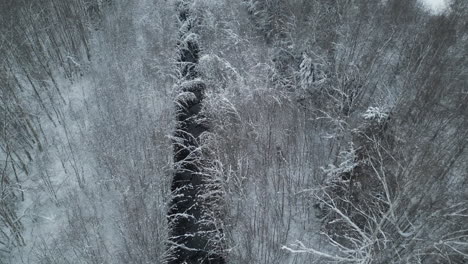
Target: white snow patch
435,6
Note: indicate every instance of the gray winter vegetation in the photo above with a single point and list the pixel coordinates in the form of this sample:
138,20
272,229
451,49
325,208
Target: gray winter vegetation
233,132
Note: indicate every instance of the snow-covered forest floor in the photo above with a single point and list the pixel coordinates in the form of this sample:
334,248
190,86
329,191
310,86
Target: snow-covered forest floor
336,130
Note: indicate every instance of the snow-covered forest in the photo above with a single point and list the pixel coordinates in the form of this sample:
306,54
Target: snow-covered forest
233,131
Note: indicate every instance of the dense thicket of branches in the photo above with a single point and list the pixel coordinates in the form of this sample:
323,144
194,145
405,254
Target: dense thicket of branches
41,43
352,111
84,156
338,129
